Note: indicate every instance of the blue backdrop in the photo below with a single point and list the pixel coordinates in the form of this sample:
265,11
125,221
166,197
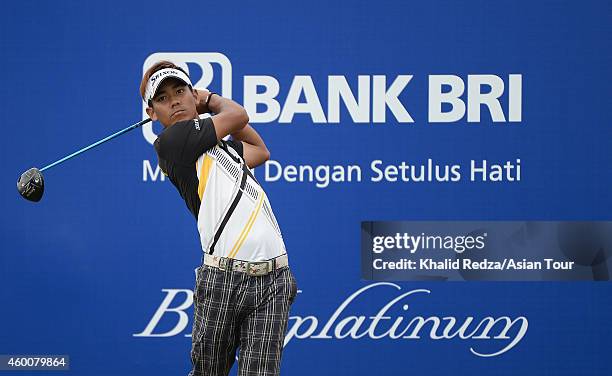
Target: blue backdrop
85,271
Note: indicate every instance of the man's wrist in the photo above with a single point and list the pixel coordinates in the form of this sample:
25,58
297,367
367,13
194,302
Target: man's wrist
213,102
203,100
207,102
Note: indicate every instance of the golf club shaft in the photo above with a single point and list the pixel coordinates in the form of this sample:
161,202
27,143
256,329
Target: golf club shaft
133,126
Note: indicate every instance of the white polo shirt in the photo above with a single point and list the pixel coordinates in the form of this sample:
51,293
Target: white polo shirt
233,213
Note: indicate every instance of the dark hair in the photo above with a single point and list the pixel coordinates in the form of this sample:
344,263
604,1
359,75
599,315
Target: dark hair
163,64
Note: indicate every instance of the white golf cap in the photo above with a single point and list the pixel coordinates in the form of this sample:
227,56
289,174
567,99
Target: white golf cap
158,77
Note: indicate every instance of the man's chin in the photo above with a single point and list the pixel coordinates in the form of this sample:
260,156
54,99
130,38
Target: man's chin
182,116
186,116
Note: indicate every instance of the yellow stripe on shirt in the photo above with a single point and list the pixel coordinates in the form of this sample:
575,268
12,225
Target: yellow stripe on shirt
247,228
204,171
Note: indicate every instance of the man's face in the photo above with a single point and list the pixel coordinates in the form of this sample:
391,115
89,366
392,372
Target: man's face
174,101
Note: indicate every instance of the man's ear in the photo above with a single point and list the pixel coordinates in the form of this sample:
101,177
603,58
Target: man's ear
151,113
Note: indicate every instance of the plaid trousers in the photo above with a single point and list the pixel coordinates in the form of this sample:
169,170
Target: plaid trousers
233,309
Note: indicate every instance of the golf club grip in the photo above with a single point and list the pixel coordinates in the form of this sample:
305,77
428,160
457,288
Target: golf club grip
119,133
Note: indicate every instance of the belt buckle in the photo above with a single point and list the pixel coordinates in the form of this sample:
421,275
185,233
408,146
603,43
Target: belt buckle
223,263
253,272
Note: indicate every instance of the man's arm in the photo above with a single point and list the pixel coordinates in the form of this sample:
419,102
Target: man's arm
185,141
229,116
232,119
255,151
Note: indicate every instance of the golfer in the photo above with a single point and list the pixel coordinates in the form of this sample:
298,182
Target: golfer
244,287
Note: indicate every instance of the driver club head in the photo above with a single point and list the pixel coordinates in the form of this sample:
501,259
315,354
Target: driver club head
31,185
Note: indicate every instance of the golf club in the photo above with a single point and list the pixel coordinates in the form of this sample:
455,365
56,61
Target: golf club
31,185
